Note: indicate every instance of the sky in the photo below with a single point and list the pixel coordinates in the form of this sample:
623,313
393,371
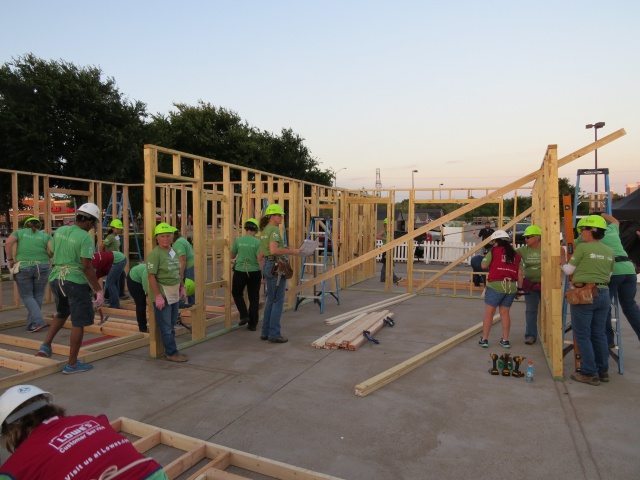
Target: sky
468,93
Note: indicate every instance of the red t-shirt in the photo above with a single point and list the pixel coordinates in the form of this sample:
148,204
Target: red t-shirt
74,448
102,262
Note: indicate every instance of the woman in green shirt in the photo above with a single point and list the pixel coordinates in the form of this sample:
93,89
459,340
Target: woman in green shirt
31,253
529,277
246,274
114,283
272,247
165,284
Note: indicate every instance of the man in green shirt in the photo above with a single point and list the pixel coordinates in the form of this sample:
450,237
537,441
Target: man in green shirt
623,284
184,249
529,277
73,281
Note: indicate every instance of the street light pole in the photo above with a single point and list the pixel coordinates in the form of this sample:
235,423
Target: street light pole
335,176
412,178
441,185
595,127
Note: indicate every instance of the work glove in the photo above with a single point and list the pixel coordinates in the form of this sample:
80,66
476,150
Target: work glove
99,300
160,302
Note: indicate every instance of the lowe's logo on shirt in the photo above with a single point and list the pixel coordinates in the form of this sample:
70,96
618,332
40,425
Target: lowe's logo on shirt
74,434
597,256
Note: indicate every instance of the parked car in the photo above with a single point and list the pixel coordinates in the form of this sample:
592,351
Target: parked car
519,231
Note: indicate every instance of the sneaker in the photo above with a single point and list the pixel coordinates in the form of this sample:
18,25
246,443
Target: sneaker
251,328
35,327
603,377
264,337
589,380
243,321
279,339
177,357
529,340
44,351
77,368
505,343
483,342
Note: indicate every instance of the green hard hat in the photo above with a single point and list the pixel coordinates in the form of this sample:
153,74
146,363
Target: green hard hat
252,220
31,219
163,228
595,221
532,231
116,223
581,224
189,286
274,209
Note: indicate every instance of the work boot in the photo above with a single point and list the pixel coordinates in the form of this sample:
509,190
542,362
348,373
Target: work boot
529,340
177,357
279,339
589,380
603,377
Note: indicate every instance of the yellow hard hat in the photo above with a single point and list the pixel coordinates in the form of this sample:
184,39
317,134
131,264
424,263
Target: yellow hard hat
163,228
116,223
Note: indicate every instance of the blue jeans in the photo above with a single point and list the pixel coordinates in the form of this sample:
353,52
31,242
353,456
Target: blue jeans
32,282
588,324
532,302
112,283
624,287
166,320
274,301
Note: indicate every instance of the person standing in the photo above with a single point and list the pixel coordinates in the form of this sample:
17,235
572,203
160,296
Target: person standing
503,264
529,277
246,274
592,262
163,268
184,249
485,233
272,247
46,444
31,252
111,244
383,273
73,282
624,280
138,285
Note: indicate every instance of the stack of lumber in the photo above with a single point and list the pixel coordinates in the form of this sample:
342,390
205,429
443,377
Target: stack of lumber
350,335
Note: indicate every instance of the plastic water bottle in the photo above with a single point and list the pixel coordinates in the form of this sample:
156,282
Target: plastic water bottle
531,370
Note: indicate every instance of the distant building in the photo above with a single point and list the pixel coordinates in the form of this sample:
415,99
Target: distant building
630,188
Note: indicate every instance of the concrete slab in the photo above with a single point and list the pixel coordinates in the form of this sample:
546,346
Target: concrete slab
447,419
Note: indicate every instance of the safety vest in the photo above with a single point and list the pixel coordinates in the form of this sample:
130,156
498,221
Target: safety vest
499,269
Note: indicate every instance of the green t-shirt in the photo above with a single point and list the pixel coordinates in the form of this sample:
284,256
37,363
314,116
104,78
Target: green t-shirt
32,246
70,245
271,233
139,274
245,249
612,240
165,265
118,256
112,243
593,262
183,247
531,263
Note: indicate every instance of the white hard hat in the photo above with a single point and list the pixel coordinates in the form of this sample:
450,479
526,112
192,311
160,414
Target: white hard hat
499,234
90,209
11,400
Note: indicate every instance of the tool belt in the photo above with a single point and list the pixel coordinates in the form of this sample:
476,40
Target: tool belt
282,268
581,293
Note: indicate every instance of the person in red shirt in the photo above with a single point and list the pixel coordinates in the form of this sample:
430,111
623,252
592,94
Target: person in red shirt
102,262
46,444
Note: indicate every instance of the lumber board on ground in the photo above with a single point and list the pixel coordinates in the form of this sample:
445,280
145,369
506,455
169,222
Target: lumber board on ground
359,341
221,457
372,384
319,343
369,308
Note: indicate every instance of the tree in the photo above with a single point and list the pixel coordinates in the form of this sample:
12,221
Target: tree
61,119
221,134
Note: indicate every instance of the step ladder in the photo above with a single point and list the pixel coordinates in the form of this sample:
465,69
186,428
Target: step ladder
132,220
320,229
595,204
